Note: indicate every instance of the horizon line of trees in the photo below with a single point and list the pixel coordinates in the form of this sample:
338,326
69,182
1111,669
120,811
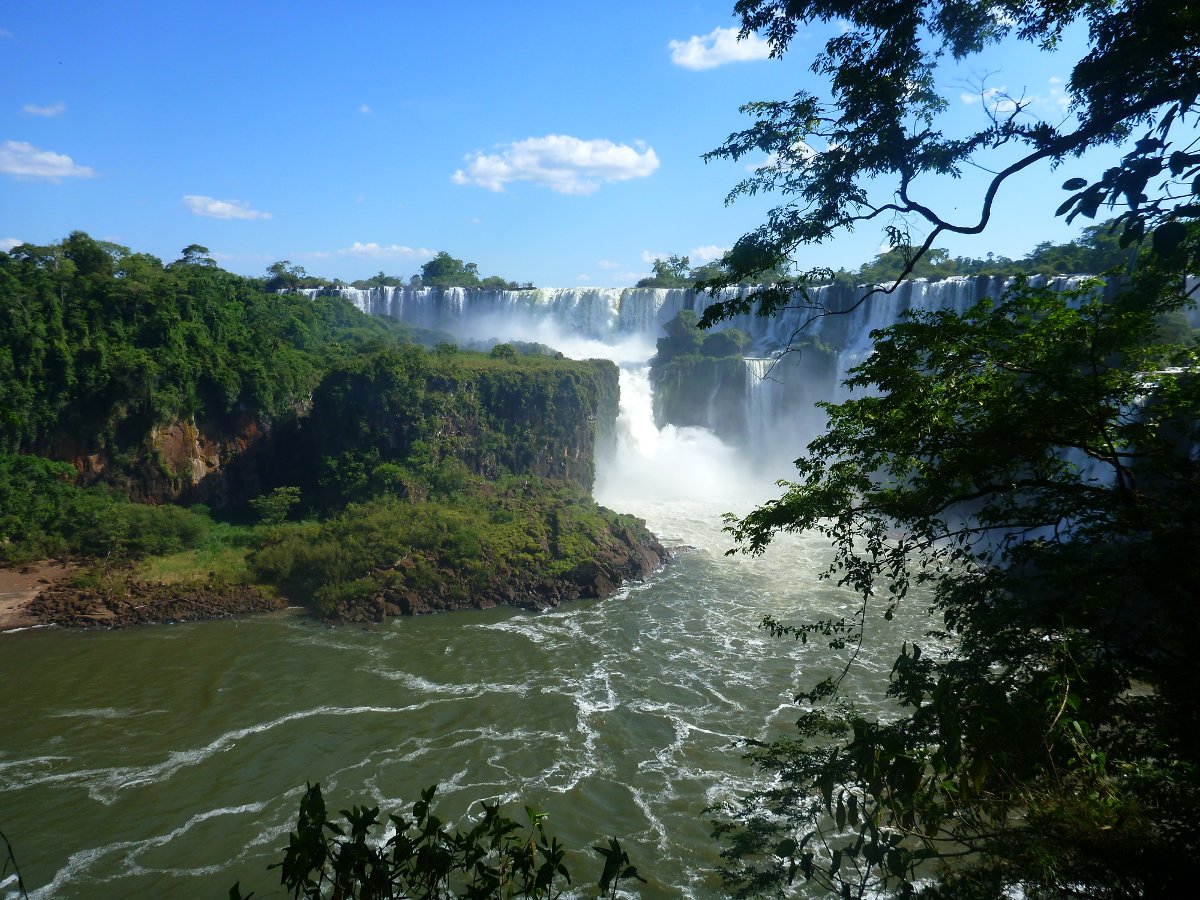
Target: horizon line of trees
1097,249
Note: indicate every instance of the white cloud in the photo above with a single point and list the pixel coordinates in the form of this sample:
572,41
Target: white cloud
27,161
1054,79
373,250
4,32
583,277
562,163
7,244
608,264
1058,99
708,253
718,47
54,109
986,96
365,110
222,209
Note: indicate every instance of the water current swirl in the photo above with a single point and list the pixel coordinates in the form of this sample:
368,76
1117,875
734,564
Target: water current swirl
169,761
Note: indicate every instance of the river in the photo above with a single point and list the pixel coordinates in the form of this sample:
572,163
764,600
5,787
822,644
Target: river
169,761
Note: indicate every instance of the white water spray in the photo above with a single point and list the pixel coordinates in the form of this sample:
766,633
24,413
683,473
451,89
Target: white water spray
668,464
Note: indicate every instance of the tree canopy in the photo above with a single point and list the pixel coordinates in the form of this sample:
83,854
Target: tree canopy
882,131
445,270
1025,472
1097,249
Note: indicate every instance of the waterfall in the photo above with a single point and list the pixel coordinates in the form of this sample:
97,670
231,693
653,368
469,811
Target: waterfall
762,388
616,315
671,463
603,314
828,329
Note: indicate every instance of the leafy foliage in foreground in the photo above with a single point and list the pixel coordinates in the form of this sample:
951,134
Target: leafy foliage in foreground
425,859
1032,468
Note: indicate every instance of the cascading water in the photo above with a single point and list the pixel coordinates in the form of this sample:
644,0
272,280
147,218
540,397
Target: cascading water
623,324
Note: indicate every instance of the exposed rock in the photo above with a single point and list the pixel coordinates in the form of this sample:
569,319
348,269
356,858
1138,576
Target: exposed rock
215,462
119,603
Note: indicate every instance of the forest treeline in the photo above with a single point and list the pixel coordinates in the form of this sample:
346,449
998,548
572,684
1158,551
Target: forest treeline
330,443
100,344
1097,249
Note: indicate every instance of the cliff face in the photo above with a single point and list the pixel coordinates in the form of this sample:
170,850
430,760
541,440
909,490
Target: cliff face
213,462
531,416
548,418
704,392
752,402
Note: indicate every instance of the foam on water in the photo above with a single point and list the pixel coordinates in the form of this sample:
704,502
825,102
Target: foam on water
619,717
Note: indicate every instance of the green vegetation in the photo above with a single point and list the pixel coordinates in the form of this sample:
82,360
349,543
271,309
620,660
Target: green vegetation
684,339
445,270
119,370
102,344
678,272
221,556
672,272
1097,250
426,860
283,276
43,513
445,413
699,378
473,540
1025,473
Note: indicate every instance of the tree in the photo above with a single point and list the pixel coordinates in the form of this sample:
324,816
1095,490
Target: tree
1024,472
273,508
669,273
681,337
1009,472
284,276
503,351
195,255
882,123
445,270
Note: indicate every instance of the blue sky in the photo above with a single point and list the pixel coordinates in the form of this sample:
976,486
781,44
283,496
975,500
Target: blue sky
557,143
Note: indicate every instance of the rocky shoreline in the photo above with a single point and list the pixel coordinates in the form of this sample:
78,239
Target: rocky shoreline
47,594
127,603
632,557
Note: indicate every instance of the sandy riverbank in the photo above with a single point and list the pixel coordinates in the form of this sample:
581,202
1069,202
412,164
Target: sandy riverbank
21,585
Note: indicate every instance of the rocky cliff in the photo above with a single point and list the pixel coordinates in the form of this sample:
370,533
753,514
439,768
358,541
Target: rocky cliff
529,415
